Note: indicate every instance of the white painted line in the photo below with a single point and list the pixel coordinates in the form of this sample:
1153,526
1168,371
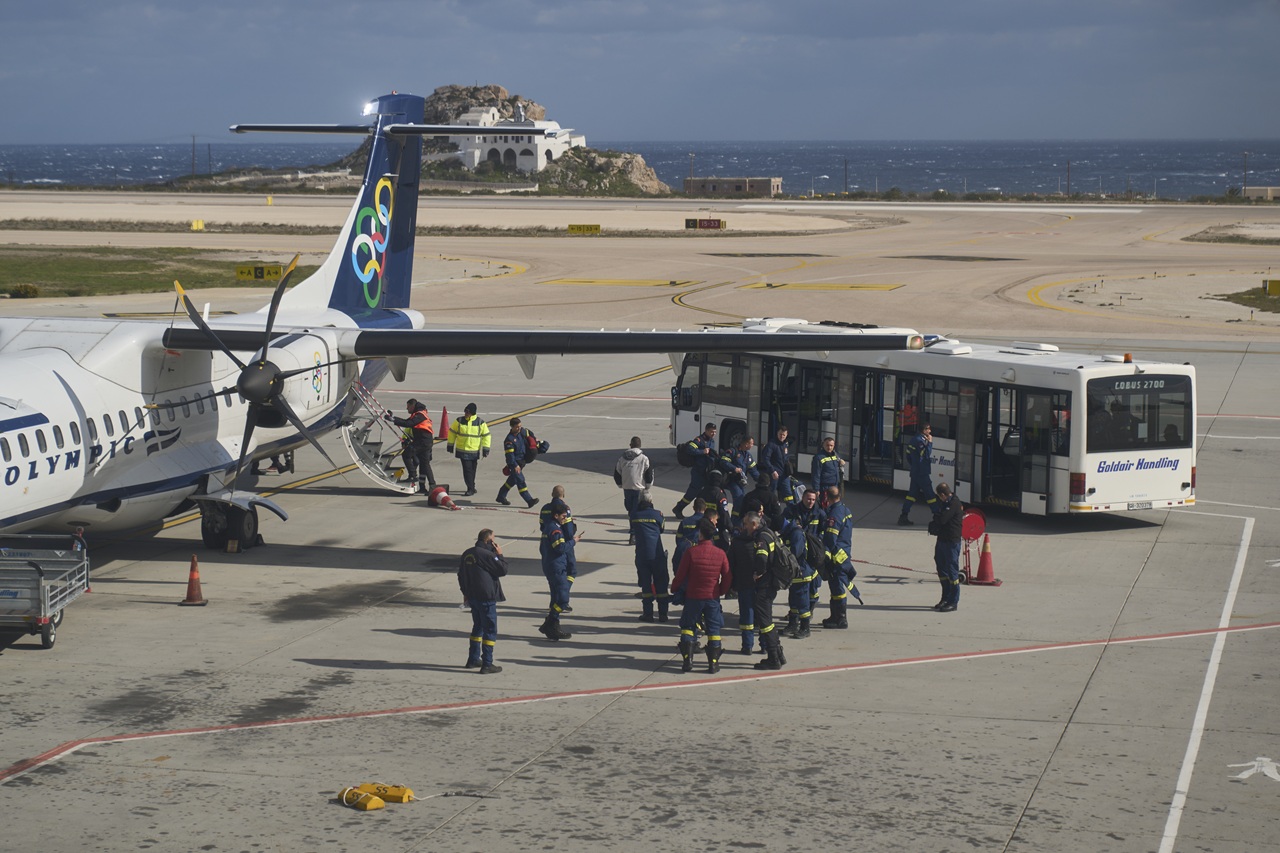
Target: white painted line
1179,802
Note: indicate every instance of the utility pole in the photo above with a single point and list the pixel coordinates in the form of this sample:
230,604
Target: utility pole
193,155
1068,179
1244,184
846,176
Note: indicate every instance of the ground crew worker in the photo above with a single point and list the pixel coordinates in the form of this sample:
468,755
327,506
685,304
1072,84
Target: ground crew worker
776,459
739,467
919,463
419,439
827,470
949,524
652,573
469,440
837,538
703,450
799,596
813,519
764,543
479,573
515,448
571,535
554,568
704,577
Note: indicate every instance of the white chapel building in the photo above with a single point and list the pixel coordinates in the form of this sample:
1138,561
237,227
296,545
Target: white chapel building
511,144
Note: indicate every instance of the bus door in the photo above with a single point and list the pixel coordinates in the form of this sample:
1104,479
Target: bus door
686,401
969,450
873,426
1001,443
780,397
1040,434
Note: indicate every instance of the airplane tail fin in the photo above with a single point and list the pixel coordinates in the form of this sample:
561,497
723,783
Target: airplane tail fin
370,267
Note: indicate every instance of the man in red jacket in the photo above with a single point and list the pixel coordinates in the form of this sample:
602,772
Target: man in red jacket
704,577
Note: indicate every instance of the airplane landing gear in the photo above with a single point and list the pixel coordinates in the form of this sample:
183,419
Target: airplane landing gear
219,524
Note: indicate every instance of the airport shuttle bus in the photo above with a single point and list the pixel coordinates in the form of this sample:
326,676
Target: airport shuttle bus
1022,425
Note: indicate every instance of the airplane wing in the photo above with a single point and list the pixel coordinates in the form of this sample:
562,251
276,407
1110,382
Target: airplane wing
356,344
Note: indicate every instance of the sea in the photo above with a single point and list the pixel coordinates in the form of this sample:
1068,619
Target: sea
1131,168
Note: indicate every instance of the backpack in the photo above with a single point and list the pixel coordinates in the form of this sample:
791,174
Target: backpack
686,455
531,448
784,566
815,554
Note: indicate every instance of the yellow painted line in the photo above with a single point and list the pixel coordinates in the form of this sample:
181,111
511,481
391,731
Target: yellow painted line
623,282
679,298
316,478
815,286
515,269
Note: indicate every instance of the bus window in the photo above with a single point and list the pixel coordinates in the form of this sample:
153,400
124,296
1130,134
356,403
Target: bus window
941,406
817,410
685,396
725,382
1138,412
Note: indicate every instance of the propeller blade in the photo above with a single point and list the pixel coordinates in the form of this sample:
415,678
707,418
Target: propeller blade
284,408
250,421
193,401
203,326
275,302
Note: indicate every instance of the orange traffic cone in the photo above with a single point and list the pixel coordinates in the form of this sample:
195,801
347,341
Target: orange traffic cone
195,598
986,571
444,420
440,497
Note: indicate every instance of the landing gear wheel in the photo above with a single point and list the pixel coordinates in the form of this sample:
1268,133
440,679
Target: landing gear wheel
214,527
242,525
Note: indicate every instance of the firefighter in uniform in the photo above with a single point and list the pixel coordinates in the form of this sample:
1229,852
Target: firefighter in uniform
555,569
515,449
739,467
837,537
469,440
571,535
479,573
919,463
813,520
703,449
652,573
800,610
827,470
776,460
419,439
764,542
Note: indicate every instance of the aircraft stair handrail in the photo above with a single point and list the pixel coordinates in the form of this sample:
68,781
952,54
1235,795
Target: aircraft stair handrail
373,442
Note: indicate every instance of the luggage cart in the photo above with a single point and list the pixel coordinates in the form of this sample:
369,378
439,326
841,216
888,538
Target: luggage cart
39,576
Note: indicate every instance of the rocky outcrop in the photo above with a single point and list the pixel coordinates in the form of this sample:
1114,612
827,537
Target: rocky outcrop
447,104
585,171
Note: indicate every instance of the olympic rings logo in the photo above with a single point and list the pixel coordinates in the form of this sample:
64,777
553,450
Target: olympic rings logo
369,247
317,377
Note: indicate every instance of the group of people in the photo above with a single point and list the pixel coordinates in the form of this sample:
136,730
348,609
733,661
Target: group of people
469,440
750,546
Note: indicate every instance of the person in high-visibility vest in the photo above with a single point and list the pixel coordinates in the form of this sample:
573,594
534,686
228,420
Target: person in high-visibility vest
469,440
420,437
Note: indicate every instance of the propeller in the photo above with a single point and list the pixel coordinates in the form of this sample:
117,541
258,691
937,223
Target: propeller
261,382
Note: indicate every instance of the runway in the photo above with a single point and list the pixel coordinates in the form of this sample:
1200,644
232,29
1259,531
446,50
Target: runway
1117,693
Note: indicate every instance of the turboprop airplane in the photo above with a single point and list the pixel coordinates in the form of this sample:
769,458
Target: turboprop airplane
113,425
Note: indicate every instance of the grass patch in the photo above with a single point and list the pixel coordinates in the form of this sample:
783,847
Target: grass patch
103,271
1255,298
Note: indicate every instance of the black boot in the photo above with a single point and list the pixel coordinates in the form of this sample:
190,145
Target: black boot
664,605
713,658
773,661
838,618
803,631
793,620
686,656
551,629
903,521
647,604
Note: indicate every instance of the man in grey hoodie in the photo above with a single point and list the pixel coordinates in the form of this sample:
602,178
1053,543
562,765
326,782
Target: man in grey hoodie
634,475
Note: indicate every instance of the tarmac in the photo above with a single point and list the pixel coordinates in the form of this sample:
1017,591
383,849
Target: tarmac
1117,693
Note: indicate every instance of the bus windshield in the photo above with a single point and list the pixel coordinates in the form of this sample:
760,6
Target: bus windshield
1139,412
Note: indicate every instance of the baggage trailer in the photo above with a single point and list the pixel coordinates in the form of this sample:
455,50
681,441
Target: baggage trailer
39,576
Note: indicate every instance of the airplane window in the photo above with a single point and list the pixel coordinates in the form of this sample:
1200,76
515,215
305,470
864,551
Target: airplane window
91,429
75,433
213,401
226,395
155,417
106,423
124,421
23,446
199,405
40,442
4,450
186,407
168,407
139,420
57,437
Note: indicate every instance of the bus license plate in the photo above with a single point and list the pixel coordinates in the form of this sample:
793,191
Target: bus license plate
1139,504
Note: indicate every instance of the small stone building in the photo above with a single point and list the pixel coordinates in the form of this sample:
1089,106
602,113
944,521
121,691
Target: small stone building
730,187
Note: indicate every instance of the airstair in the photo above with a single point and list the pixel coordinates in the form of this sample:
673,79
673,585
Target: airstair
374,442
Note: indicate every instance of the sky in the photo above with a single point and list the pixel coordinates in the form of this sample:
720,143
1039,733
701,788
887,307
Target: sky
104,71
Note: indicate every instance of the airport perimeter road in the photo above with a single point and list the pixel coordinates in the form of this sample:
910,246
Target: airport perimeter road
1117,693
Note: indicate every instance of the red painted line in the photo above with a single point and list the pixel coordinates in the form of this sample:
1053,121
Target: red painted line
69,747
